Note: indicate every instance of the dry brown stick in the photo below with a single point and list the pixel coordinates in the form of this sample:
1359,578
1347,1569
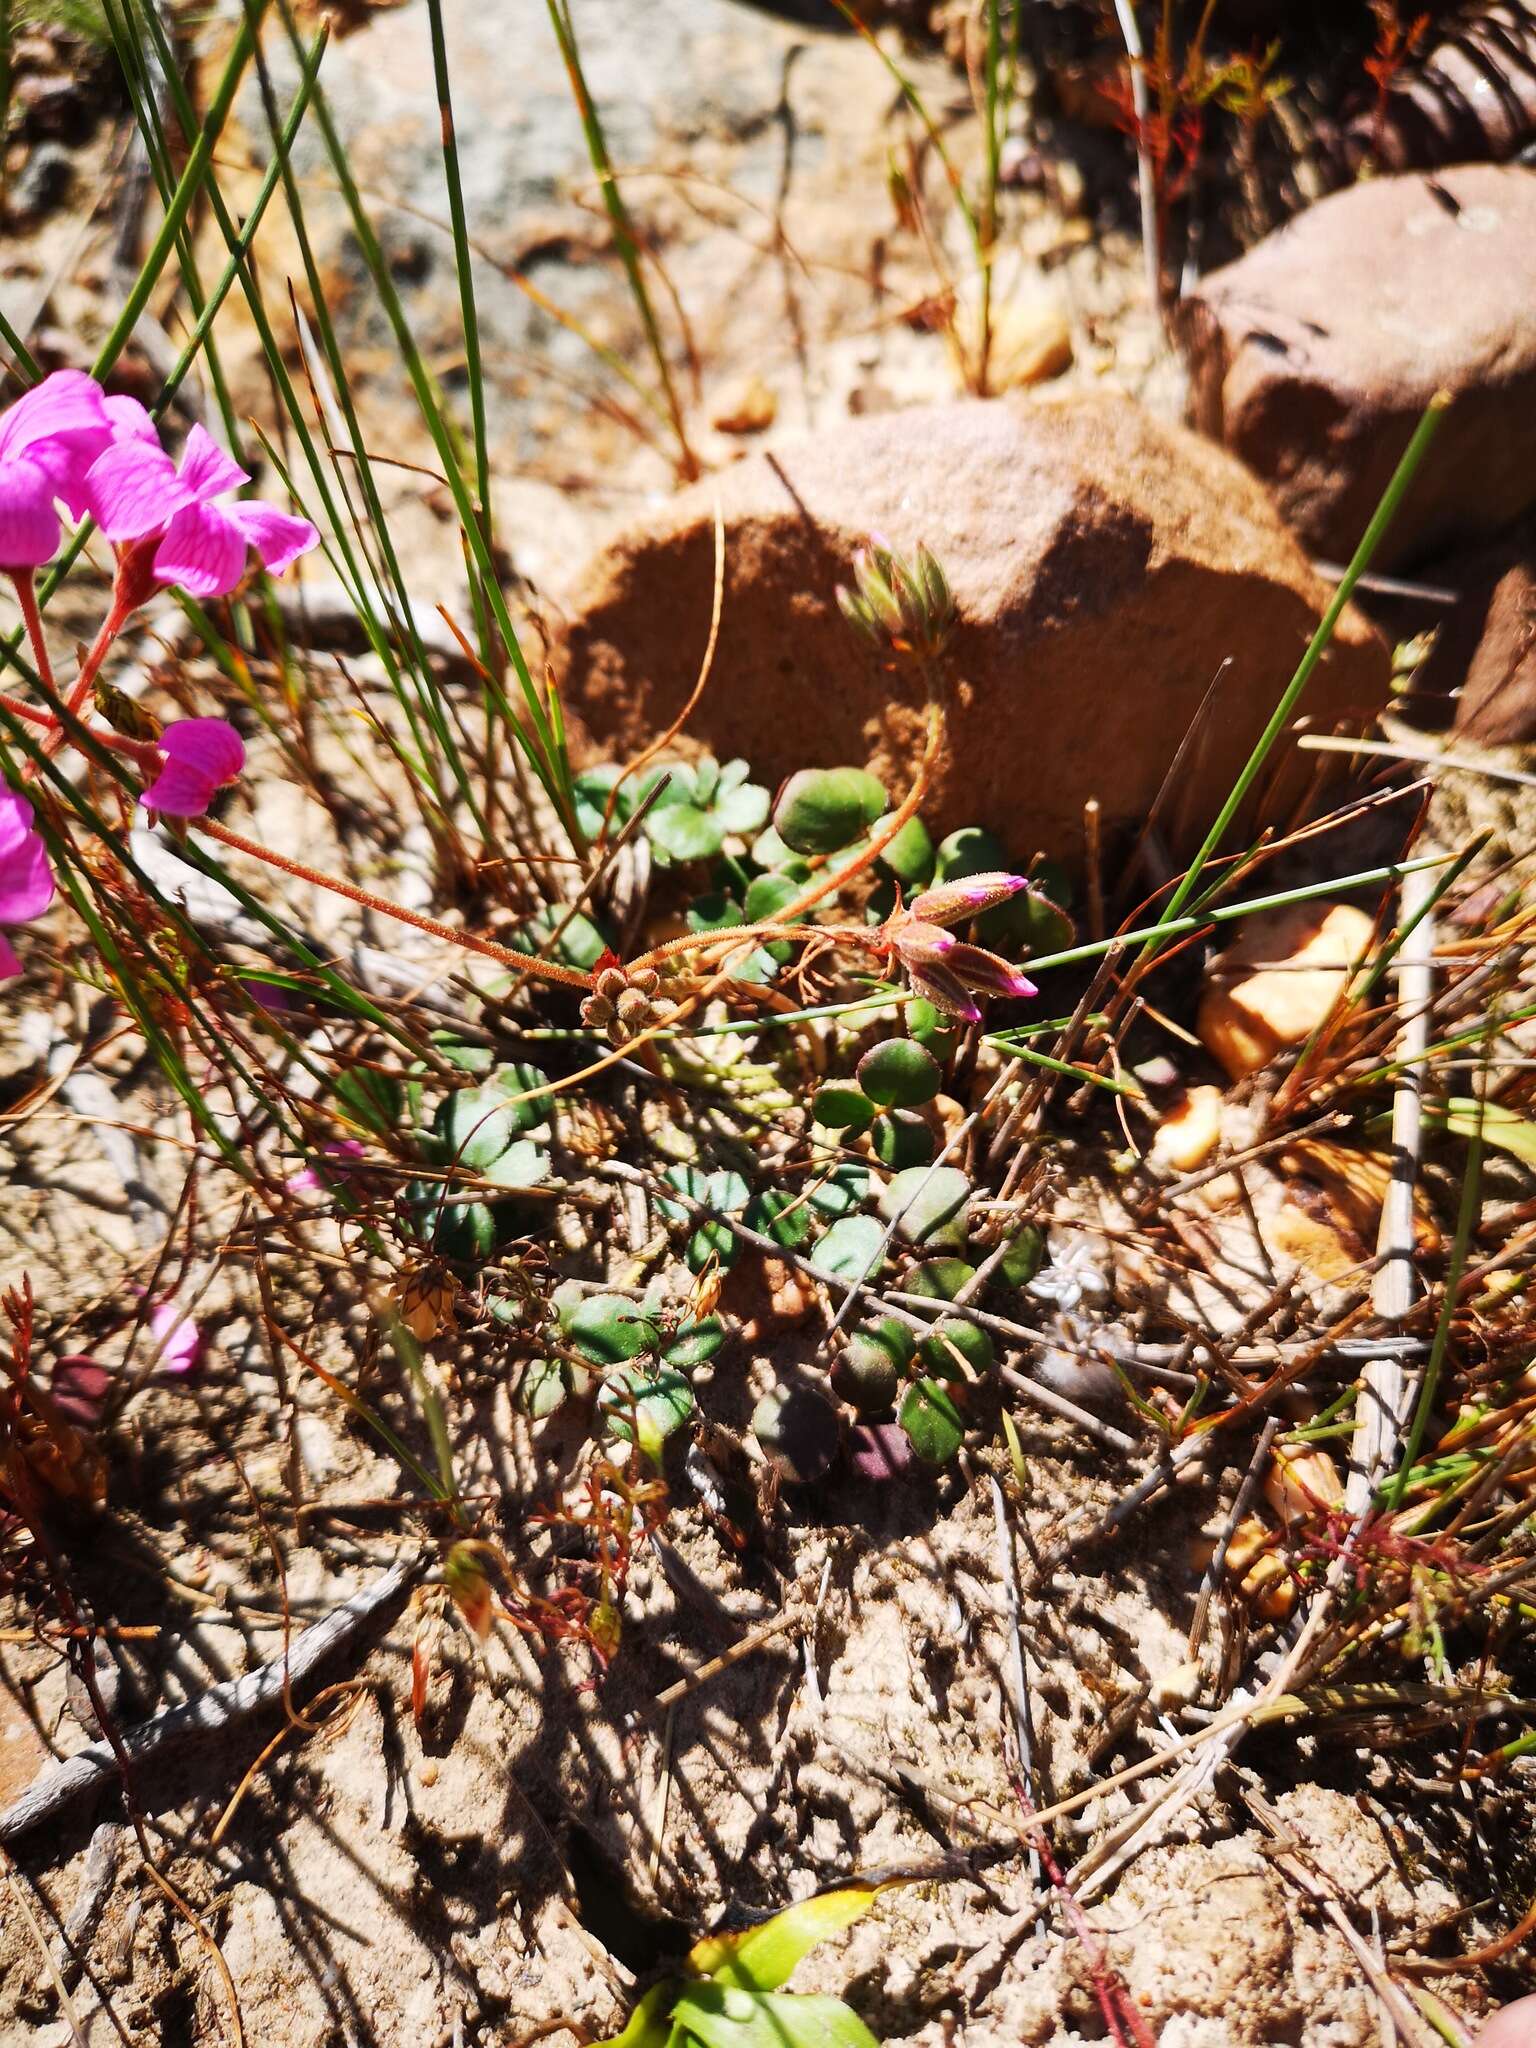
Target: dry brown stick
219,1708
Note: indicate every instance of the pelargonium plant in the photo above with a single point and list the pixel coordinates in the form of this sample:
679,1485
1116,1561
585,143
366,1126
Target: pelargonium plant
67,443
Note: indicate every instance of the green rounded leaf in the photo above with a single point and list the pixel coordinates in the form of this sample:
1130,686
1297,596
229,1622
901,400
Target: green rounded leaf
902,1138
580,943
899,1074
970,851
867,1373
852,1249
841,1107
648,1406
609,1328
910,855
1024,1257
933,1031
694,1344
544,1386
844,1188
785,1218
682,833
934,1425
933,1203
939,1279
820,810
952,1334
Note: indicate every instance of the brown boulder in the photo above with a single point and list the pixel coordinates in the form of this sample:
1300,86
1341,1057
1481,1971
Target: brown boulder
1105,567
1314,356
1486,644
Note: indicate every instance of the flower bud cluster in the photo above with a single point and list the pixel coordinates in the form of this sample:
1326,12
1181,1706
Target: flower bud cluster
624,1005
904,606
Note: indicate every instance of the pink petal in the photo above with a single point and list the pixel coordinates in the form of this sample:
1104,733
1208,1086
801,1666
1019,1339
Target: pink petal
129,420
942,989
132,489
982,970
10,965
200,754
26,881
209,745
179,1339
29,526
68,402
277,537
206,470
203,551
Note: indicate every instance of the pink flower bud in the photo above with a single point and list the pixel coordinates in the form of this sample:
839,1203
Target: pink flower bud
967,897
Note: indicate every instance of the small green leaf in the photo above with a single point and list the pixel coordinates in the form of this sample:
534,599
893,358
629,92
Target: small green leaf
374,1099
720,2017
899,1074
970,851
609,1328
693,1344
763,1958
933,1203
934,1425
952,1334
650,2024
682,833
820,810
715,913
743,810
910,856
939,1279
1501,1126
767,895
544,1386
851,1250
580,943
650,1405
844,1188
1024,1256
902,1138
841,1107
785,1218
523,1165
931,1030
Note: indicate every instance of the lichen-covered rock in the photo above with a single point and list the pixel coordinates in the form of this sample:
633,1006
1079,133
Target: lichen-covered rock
1117,581
1314,356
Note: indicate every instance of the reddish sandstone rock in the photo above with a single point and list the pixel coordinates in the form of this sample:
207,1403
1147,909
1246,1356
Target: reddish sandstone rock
1105,567
1486,644
1313,357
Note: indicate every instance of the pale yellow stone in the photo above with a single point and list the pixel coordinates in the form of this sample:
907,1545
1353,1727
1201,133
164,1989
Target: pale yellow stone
1190,1132
745,406
1279,982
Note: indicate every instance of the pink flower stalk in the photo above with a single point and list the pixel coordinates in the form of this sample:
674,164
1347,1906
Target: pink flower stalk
26,879
138,495
199,755
48,440
938,966
178,1338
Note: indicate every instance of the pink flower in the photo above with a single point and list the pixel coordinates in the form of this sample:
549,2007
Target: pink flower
48,439
135,491
313,1177
26,880
199,756
178,1339
938,966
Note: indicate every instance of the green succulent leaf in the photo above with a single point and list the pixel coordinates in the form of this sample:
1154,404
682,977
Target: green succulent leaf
1024,1257
851,1250
933,1031
934,1425
901,1138
609,1328
545,1385
910,855
952,1334
649,1406
939,1279
841,1107
933,1203
694,1344
721,2017
783,1217
680,832
764,1957
899,1074
820,810
844,1188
